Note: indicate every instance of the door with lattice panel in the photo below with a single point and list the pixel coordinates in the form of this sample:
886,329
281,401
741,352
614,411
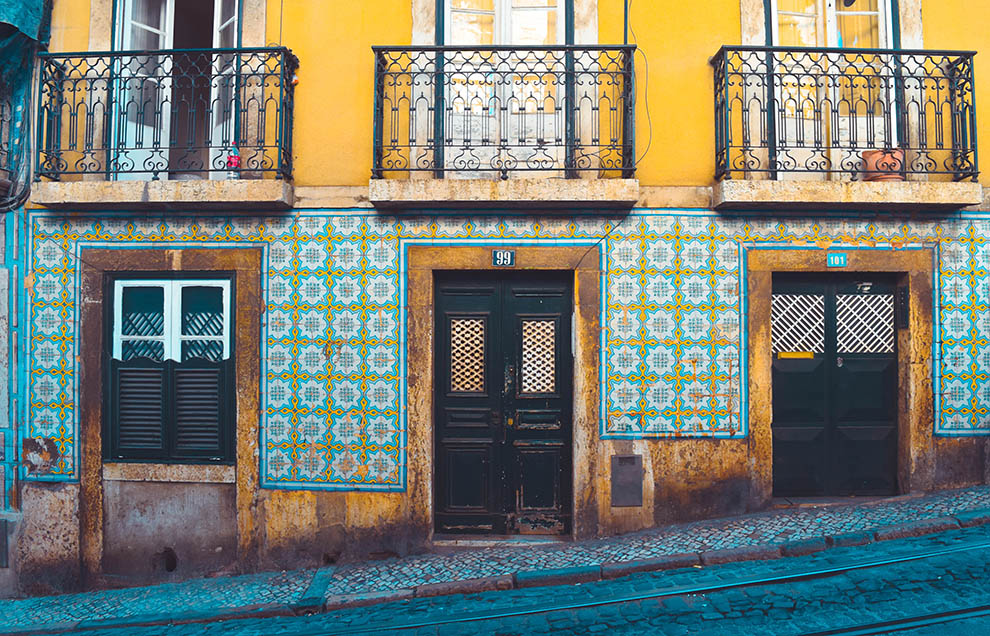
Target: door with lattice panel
834,347
503,414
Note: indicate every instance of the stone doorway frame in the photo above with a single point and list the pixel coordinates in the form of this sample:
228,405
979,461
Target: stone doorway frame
582,260
98,262
914,267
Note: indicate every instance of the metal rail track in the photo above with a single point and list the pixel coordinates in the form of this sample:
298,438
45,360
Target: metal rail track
864,629
902,624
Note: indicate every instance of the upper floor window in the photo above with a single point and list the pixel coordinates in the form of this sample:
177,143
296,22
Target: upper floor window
146,25
170,371
499,22
832,23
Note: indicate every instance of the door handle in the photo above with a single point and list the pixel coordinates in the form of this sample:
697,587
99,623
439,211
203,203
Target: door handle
838,361
510,376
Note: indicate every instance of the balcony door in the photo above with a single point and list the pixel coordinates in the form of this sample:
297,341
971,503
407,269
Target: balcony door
831,106
144,114
175,111
504,110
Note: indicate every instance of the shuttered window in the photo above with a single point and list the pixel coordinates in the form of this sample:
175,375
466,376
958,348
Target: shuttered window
170,373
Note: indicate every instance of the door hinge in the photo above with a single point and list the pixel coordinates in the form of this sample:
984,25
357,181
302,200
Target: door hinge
573,333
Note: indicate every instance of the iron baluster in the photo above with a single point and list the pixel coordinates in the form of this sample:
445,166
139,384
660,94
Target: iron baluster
166,112
820,109
499,110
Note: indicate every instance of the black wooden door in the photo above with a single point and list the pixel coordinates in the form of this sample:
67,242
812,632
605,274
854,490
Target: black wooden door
503,402
834,385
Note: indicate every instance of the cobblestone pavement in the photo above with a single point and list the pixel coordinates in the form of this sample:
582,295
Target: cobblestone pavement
885,587
770,527
209,596
213,597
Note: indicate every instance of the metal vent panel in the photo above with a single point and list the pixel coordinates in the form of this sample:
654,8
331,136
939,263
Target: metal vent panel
539,361
797,323
467,355
864,323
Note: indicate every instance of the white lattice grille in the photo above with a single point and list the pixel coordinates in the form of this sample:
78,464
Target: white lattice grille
467,355
797,323
538,356
865,323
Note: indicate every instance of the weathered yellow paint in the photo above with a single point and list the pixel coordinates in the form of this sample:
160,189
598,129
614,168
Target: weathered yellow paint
962,25
290,516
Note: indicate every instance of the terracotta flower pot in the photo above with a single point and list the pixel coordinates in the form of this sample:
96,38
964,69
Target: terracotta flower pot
883,165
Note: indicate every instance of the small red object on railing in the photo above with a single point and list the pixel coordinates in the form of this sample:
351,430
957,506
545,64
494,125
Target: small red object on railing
233,164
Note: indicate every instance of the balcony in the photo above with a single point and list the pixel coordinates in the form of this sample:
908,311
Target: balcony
828,127
513,126
189,128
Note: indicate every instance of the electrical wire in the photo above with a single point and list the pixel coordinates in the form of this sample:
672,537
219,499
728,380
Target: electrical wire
646,84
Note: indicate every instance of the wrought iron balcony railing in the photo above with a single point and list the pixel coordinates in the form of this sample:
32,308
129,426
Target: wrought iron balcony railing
818,110
166,114
491,111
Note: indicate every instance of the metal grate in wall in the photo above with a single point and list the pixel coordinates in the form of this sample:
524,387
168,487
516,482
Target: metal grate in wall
864,323
797,323
538,356
467,355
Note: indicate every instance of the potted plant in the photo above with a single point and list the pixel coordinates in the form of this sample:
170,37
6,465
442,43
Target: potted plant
883,164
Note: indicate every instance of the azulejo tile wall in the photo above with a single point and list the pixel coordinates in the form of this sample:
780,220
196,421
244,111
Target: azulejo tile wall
333,346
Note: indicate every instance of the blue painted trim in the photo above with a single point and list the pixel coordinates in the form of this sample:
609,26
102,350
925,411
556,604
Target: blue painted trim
937,419
742,215
743,338
15,253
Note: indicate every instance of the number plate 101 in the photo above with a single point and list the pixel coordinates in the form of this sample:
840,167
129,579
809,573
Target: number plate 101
503,258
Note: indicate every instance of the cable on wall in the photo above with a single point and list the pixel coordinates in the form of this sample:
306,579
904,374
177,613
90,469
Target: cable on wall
646,82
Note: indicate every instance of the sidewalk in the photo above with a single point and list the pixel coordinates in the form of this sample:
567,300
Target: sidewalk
790,531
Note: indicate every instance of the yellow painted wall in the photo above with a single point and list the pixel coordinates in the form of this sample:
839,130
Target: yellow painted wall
70,25
333,40
962,25
678,38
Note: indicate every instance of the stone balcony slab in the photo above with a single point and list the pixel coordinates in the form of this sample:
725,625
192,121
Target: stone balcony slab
908,196
530,193
231,194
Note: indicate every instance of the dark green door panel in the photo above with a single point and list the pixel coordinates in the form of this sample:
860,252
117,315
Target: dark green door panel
503,402
834,385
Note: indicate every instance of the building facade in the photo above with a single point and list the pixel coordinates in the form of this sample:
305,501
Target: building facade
308,283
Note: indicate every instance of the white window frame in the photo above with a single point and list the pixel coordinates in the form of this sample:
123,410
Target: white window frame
828,15
172,338
503,20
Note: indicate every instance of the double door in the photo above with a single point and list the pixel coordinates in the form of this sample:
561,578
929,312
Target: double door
834,426
502,421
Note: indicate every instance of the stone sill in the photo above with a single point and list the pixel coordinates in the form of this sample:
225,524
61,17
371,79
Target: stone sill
908,196
233,194
187,473
474,194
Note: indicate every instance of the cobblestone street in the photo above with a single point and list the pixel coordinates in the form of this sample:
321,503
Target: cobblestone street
835,589
769,534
